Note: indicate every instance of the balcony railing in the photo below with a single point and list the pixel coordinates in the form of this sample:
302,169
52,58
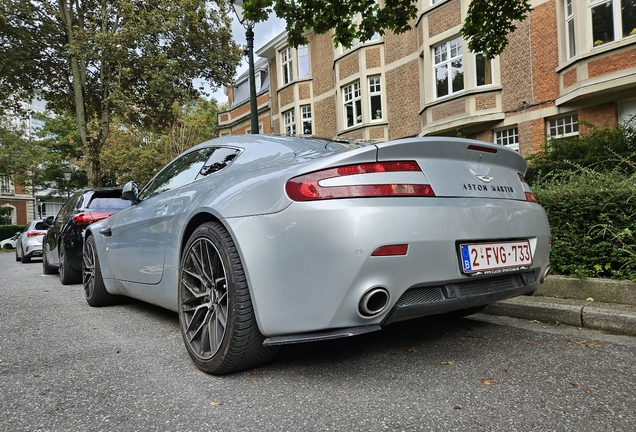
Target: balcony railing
7,191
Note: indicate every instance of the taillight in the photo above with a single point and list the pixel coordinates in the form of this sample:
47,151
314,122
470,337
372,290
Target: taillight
528,192
87,218
35,233
391,250
482,148
308,188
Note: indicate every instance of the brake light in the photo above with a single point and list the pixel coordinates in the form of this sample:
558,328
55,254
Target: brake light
308,188
87,218
529,194
482,148
391,250
35,233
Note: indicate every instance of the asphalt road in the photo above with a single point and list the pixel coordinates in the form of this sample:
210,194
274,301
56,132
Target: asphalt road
65,366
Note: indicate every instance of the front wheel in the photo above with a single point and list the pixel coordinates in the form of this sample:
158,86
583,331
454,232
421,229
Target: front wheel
216,315
94,289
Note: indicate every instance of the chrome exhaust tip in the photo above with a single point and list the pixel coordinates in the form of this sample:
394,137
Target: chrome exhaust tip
373,302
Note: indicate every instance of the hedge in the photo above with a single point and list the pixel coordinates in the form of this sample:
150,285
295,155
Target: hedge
7,231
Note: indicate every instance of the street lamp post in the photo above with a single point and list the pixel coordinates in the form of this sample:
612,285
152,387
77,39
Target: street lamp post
249,36
67,178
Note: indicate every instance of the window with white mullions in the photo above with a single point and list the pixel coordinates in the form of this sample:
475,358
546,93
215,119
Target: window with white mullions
612,20
305,113
375,97
508,138
448,67
286,66
563,126
352,104
303,61
569,29
289,122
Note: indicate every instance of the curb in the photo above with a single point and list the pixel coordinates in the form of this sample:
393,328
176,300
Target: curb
614,318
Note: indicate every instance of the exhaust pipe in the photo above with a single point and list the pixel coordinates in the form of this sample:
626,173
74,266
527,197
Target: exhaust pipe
373,302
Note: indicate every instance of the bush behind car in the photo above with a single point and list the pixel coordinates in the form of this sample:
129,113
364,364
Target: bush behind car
7,231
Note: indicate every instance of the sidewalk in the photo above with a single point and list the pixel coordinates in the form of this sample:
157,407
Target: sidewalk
600,304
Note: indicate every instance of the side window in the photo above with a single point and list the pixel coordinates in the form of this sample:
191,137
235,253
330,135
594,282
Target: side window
182,171
220,159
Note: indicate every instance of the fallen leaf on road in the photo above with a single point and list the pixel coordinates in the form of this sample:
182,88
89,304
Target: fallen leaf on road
588,344
448,363
488,381
216,403
590,299
411,350
507,373
586,391
575,385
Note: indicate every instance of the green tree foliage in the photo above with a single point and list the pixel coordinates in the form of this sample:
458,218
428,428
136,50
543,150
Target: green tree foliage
20,154
486,28
131,59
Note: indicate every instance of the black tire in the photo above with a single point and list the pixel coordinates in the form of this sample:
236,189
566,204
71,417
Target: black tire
68,275
17,257
94,289
25,259
46,268
219,328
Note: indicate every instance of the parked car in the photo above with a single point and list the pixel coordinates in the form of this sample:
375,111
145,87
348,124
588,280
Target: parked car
10,242
260,241
29,242
63,242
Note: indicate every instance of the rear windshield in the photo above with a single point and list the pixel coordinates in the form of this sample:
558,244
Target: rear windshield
108,204
41,226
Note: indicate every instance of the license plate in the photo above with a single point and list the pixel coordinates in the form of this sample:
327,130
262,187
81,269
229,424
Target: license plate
490,257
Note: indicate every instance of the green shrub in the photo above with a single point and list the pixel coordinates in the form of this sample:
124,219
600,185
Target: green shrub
7,231
592,218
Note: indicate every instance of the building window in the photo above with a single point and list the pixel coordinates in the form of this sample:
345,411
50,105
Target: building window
375,97
289,122
627,113
612,20
355,42
303,61
286,65
448,67
352,104
6,185
483,70
569,29
508,138
305,113
564,126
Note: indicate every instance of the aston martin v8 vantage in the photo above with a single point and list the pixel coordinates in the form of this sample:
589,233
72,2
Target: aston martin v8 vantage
258,241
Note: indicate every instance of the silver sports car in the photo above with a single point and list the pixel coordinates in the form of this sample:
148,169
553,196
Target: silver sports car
259,241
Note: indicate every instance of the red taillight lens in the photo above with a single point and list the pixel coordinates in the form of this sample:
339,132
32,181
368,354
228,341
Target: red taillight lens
87,218
482,148
307,187
530,197
529,194
391,250
35,233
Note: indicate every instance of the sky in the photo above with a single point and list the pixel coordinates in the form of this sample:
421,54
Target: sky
263,33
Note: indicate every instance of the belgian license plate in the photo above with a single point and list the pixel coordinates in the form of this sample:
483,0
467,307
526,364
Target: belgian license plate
491,257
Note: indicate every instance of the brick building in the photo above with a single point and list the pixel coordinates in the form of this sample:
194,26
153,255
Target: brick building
571,60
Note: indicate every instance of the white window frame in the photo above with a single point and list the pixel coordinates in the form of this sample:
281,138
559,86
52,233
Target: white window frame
443,55
302,53
289,122
286,64
570,29
305,117
6,185
617,18
563,126
492,75
375,91
352,95
508,137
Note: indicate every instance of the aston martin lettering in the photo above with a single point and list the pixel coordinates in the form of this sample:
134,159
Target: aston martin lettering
486,188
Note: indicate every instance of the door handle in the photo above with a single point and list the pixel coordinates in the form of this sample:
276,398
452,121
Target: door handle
106,232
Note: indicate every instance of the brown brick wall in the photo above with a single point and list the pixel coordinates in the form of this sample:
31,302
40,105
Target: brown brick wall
321,47
516,69
403,99
444,18
531,136
398,46
373,57
545,55
325,117
484,102
376,133
304,91
22,218
485,135
276,126
286,95
569,78
599,115
448,109
225,117
349,65
612,63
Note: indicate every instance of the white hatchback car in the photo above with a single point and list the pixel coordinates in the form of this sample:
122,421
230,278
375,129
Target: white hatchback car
10,242
29,243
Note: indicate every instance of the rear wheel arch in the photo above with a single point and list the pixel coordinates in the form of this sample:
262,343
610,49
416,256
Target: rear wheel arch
194,223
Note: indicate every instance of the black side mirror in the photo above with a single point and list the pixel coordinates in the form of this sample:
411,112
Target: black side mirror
49,220
130,192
